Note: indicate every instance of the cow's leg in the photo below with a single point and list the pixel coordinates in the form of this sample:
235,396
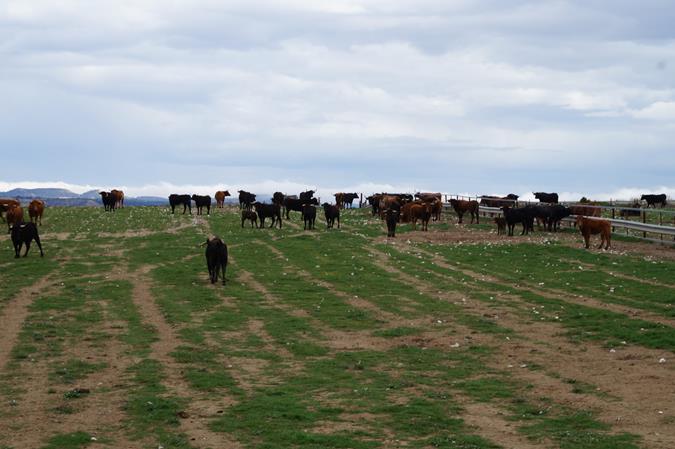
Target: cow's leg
27,248
37,240
17,250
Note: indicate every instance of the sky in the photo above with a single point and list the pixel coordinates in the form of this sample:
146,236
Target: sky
481,97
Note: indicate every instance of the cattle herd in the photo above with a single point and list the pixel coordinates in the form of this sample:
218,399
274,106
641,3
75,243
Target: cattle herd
392,208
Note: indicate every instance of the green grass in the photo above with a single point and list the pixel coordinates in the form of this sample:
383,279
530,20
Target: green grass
306,365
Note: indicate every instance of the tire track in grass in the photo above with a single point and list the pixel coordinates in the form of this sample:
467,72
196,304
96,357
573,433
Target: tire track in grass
489,421
633,374
14,314
620,275
349,299
43,408
492,424
196,426
550,293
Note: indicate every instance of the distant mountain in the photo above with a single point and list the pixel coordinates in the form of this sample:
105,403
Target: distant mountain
64,197
92,195
39,193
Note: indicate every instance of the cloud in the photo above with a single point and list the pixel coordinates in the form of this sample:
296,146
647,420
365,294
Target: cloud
470,95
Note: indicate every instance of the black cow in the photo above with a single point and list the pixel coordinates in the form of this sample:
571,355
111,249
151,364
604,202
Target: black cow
309,215
374,201
391,216
653,200
246,199
297,204
348,199
25,233
403,197
177,200
109,200
542,213
278,198
216,258
308,195
497,201
332,213
522,215
202,201
249,215
268,210
558,212
546,197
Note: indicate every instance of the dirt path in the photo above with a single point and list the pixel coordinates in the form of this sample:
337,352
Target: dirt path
551,293
199,411
354,301
632,374
14,314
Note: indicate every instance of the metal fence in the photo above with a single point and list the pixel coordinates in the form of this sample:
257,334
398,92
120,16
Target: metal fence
660,232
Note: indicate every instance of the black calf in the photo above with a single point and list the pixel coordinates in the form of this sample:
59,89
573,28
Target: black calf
25,233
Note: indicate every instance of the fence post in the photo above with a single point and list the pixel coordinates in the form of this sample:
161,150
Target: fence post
644,220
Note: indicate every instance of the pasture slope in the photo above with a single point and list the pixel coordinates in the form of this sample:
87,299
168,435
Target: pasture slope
454,338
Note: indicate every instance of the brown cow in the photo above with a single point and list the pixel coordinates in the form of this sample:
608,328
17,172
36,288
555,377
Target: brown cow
118,195
389,202
5,204
587,210
35,210
462,206
406,214
591,226
340,200
420,212
220,198
14,216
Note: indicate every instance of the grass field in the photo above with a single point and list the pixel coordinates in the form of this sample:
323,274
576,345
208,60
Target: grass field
453,338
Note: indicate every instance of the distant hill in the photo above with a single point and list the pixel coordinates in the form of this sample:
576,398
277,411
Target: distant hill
64,197
40,193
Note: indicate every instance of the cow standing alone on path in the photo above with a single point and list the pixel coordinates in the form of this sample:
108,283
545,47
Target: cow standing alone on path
216,258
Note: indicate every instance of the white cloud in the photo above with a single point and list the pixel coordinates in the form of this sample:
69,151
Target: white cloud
492,85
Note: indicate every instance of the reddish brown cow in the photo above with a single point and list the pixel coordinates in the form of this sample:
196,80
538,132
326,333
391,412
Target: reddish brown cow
406,214
118,195
420,212
220,198
586,210
462,206
5,204
591,226
388,202
14,216
35,210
